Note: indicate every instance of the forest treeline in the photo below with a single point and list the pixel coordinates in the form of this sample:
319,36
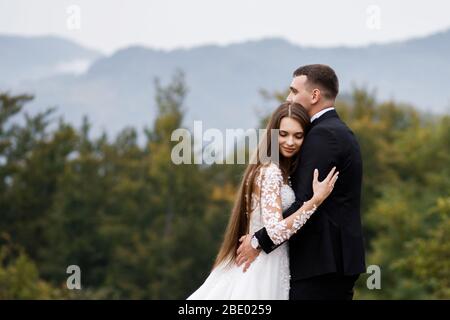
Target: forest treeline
141,227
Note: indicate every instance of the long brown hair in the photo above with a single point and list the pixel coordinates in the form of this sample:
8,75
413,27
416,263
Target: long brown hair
238,224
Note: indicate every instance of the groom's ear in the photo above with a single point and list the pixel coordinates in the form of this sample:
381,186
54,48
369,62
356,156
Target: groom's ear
316,95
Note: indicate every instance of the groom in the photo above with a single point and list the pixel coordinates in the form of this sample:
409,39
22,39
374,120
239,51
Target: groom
327,254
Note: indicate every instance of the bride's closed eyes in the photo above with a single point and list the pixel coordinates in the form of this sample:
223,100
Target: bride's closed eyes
298,135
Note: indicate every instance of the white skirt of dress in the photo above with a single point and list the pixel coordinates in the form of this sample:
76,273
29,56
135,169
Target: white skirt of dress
266,279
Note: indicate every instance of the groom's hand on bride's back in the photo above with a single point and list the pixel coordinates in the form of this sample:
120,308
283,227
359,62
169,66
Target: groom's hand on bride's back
246,253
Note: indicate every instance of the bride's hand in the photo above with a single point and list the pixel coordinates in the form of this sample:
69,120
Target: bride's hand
323,189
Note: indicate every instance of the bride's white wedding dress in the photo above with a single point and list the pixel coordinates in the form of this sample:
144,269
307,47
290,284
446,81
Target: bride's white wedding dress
268,276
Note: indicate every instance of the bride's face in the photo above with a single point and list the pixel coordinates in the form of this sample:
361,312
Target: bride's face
290,137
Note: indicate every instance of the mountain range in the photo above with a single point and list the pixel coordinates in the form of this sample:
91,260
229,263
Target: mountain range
224,82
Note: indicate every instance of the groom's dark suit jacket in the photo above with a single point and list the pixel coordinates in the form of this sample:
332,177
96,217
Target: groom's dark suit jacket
331,240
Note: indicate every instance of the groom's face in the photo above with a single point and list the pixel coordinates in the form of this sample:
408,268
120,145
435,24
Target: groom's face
299,92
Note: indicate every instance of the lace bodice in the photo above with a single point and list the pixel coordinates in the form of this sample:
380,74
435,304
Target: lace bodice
271,196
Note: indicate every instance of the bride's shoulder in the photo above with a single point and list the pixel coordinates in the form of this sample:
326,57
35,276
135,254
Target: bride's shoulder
269,174
271,169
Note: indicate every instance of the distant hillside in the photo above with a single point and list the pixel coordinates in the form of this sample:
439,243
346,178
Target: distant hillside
37,57
224,81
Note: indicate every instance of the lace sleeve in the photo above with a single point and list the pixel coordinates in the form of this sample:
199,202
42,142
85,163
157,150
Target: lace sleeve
279,230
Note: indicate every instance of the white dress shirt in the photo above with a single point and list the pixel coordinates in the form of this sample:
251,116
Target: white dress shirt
318,114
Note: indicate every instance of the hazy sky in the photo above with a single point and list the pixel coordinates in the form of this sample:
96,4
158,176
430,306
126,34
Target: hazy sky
111,24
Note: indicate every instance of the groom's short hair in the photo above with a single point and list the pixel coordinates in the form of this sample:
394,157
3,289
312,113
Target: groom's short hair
322,76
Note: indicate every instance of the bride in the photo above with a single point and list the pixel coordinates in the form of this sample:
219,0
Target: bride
263,195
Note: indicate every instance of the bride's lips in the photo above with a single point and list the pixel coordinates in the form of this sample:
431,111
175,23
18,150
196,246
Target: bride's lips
289,149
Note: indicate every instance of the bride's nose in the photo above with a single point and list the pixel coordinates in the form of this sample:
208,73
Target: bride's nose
290,141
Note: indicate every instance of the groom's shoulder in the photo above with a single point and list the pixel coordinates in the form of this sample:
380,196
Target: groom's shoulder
318,133
331,124
326,125
331,128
